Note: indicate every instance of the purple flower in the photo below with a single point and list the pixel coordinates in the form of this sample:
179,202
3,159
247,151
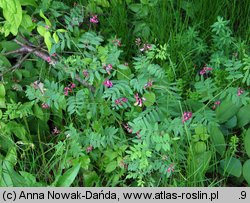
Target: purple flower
139,101
89,149
45,106
108,68
120,101
205,70
146,47
108,83
240,91
186,116
94,19
55,131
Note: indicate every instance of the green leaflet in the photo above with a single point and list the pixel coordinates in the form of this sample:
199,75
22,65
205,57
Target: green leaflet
243,116
12,12
218,139
68,177
222,112
231,166
247,142
246,169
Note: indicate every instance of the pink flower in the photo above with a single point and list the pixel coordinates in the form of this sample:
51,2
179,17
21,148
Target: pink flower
53,54
72,85
45,106
217,103
240,91
108,83
48,59
138,41
205,70
89,148
170,168
66,91
47,26
148,84
139,101
120,101
94,19
85,73
128,128
124,99
55,131
108,68
186,116
146,47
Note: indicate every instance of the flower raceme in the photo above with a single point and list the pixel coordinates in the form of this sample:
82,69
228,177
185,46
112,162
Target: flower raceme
108,83
240,91
69,88
186,116
139,101
120,101
205,70
94,19
108,68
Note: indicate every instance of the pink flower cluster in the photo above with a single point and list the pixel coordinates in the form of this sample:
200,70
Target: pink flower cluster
69,88
108,68
45,106
108,83
128,128
56,131
148,84
240,91
120,101
94,19
89,148
146,47
139,101
85,73
117,42
205,70
186,116
170,168
217,103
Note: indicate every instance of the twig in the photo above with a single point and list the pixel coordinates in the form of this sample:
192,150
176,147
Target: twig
26,48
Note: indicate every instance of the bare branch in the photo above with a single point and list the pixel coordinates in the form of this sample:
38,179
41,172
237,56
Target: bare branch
46,57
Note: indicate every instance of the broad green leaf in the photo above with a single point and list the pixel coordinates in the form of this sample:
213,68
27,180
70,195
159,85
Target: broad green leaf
124,74
90,178
38,112
44,17
111,167
231,166
68,177
2,90
12,12
247,142
223,113
47,40
243,116
27,22
149,99
61,30
55,37
200,147
246,171
218,139
231,123
18,130
28,2
2,103
41,30
9,46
